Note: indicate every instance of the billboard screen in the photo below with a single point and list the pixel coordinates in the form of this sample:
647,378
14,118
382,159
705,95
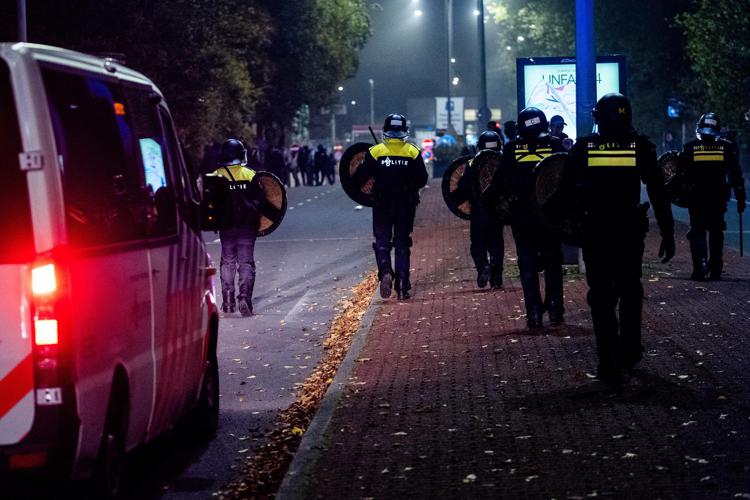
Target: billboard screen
549,83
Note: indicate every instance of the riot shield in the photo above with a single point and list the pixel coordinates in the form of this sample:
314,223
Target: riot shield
457,202
351,160
675,180
273,207
487,162
556,199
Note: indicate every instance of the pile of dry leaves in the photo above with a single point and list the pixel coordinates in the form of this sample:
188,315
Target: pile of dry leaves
264,472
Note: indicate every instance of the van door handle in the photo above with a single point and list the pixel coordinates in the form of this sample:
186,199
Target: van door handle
155,271
210,271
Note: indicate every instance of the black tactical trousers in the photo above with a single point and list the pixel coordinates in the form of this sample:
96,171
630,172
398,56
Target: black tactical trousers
237,258
613,273
709,219
486,236
538,249
392,224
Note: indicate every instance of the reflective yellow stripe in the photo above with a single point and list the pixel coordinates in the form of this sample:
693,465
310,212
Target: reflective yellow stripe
612,161
719,157
612,152
528,158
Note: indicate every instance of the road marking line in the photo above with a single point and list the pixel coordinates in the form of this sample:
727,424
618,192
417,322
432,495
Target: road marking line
298,306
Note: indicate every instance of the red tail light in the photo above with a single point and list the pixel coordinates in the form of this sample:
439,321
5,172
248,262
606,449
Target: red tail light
43,280
48,307
45,332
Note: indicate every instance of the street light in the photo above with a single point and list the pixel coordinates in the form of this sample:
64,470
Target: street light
340,89
372,101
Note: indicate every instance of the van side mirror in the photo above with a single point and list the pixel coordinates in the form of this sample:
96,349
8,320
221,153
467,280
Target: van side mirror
216,203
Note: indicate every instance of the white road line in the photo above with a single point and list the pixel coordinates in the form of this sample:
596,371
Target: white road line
298,307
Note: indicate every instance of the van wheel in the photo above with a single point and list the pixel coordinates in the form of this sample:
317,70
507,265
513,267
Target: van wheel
109,474
204,420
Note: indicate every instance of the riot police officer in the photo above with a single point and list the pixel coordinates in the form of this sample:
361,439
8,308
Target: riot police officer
707,163
536,246
608,168
238,242
486,234
398,173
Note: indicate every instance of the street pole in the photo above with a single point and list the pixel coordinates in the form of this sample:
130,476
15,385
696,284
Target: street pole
585,66
485,112
22,33
372,101
333,127
449,16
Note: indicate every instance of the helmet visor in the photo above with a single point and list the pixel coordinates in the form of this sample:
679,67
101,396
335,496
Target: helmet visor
395,134
707,131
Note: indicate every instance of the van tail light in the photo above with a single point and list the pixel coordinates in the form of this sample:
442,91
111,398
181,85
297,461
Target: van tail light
48,306
43,280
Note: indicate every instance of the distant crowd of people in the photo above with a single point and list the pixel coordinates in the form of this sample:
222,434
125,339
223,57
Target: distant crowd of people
293,165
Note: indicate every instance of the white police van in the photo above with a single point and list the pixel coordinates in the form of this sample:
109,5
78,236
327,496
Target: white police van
107,310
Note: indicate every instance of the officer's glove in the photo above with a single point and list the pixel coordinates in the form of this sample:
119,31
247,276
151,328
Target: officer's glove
666,249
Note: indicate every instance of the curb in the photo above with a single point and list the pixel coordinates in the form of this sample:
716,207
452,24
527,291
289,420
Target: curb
306,456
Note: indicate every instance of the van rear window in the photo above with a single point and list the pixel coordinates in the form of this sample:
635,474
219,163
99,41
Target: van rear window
102,179
15,212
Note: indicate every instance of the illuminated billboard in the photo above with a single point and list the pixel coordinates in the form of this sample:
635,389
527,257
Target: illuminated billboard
549,83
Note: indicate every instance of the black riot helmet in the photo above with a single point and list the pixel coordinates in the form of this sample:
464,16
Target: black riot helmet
532,123
233,152
490,139
395,127
709,125
613,114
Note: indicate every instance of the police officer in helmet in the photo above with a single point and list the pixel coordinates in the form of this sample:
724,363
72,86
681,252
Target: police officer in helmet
399,173
711,168
238,242
608,167
536,246
486,234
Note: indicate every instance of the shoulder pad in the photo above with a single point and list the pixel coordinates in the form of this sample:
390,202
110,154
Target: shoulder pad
413,150
378,150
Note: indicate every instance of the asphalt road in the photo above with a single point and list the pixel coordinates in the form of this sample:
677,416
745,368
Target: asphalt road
320,251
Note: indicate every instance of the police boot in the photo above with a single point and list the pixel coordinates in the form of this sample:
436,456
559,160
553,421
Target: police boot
700,269
403,285
386,283
245,299
496,277
245,306
715,266
227,302
556,312
534,319
483,276
385,270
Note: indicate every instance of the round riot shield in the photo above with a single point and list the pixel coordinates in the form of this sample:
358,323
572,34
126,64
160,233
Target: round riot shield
674,180
457,203
556,199
273,208
487,162
351,161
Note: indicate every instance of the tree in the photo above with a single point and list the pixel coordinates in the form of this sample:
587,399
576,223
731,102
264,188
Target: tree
642,30
718,44
226,67
315,48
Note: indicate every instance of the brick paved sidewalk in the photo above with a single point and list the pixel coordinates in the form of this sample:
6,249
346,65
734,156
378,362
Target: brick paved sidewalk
454,398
